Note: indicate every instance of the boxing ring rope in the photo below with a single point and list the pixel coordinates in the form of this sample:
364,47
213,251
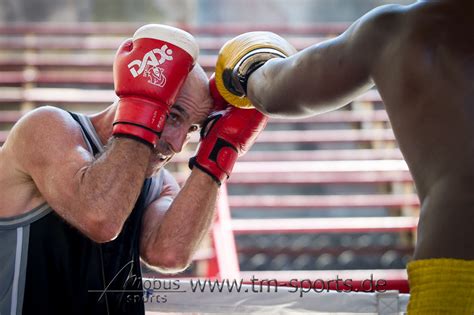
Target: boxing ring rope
283,300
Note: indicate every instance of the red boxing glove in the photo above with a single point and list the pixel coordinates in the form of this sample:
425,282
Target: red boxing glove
149,70
226,135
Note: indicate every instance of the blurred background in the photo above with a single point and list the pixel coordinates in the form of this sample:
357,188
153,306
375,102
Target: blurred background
196,12
315,197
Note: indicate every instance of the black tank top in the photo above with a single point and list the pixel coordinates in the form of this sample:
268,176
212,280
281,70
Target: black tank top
49,267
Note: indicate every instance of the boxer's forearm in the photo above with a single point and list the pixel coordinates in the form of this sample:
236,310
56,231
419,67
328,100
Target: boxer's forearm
287,87
318,79
265,92
173,243
109,186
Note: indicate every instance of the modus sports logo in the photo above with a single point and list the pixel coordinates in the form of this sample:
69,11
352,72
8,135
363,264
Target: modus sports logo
149,66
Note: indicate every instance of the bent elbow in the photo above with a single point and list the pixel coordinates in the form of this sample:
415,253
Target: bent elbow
103,235
168,262
101,229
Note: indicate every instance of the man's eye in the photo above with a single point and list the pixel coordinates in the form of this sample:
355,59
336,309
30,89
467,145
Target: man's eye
172,117
193,128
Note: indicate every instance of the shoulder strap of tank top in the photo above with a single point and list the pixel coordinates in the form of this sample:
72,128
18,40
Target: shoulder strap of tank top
95,149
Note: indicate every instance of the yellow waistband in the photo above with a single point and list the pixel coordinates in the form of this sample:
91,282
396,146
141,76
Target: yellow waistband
441,286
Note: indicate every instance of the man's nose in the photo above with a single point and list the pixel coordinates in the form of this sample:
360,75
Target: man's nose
175,138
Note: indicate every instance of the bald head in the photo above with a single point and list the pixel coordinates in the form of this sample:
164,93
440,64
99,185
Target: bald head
195,92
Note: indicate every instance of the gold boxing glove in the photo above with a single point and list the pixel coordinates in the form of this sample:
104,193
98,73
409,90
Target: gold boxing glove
240,57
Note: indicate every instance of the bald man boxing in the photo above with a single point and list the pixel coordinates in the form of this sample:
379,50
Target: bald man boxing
420,57
84,198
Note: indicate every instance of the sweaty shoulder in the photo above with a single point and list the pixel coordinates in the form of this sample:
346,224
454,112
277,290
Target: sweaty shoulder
38,146
46,129
386,18
379,26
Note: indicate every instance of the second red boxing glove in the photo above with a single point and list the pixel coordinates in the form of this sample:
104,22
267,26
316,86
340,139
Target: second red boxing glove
227,133
149,71
225,136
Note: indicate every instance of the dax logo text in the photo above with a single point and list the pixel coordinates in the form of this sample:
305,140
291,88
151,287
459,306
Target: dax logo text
149,66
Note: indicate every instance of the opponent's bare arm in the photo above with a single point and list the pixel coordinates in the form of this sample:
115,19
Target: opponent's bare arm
173,229
325,76
94,195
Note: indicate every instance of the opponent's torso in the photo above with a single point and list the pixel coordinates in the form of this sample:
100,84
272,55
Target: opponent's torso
49,267
426,79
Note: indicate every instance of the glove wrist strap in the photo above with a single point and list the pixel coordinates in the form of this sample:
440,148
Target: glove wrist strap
216,159
140,118
249,64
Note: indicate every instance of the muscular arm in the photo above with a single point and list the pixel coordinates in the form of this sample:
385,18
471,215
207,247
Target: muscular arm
94,195
172,230
325,76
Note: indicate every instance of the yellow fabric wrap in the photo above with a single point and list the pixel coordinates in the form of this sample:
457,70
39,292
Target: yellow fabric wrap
235,49
441,286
